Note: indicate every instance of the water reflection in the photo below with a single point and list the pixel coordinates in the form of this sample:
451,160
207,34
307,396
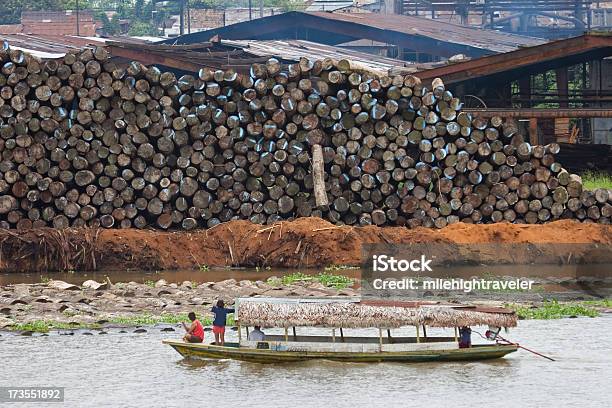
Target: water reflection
219,274
196,364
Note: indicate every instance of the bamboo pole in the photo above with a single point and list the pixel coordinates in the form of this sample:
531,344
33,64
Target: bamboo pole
418,337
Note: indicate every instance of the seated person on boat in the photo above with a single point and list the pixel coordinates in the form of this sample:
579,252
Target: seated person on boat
465,337
195,332
257,335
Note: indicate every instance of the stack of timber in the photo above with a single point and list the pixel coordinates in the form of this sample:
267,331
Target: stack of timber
87,143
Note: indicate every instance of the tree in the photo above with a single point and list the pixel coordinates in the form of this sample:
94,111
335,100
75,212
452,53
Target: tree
111,26
140,28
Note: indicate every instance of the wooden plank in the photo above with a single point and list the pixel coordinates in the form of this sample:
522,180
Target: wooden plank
533,131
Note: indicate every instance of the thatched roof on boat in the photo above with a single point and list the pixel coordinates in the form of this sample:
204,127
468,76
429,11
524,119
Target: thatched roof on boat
351,314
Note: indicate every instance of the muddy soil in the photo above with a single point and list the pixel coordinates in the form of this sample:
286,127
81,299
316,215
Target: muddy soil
313,242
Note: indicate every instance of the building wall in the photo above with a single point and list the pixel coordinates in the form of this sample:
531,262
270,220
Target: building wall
602,79
206,19
58,23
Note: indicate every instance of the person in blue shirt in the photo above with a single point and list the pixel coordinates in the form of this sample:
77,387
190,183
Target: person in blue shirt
219,322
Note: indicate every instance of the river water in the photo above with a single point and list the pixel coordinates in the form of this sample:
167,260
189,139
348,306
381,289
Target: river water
218,274
135,370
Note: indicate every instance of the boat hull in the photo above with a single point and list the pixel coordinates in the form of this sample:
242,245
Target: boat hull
209,351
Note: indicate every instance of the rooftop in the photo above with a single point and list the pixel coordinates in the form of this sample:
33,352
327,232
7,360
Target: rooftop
513,65
417,33
353,313
239,54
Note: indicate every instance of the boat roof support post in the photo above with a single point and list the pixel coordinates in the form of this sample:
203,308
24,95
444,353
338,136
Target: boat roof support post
240,335
333,335
380,339
456,334
294,334
418,337
286,334
341,335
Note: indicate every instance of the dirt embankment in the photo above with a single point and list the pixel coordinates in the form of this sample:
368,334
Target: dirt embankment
311,242
306,242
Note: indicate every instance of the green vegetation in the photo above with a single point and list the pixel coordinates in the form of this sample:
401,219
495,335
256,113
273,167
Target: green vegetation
593,181
150,283
554,310
203,268
43,326
605,303
144,319
327,279
168,318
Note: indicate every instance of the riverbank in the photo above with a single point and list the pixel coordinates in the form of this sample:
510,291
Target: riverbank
59,305
305,243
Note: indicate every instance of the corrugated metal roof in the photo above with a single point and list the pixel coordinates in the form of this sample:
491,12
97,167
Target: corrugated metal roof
293,50
474,37
56,46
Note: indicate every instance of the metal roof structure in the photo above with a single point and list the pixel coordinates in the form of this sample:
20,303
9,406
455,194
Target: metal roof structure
514,65
293,50
56,46
240,54
415,33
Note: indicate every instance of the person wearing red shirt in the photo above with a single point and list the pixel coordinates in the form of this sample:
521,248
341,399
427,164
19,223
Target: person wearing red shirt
195,332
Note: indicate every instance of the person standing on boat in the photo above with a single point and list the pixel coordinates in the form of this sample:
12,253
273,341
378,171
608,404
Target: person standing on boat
221,313
465,337
257,334
195,332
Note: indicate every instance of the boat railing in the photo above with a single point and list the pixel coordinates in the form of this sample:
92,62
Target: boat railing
356,339
349,347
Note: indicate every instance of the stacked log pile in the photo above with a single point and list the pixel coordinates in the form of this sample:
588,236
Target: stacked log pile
87,143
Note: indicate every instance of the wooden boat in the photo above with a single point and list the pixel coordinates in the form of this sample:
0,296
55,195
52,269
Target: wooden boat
343,314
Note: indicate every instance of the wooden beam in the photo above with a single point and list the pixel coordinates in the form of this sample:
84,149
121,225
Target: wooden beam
520,58
148,58
533,131
525,91
562,86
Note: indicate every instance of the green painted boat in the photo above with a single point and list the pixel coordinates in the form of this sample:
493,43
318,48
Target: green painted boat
342,314
237,352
